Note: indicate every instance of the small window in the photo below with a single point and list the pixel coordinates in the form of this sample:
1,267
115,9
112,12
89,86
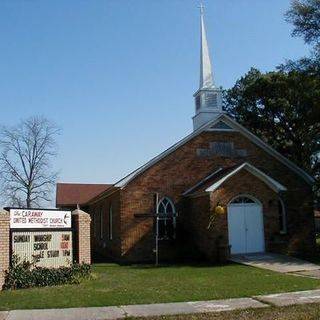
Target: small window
96,220
93,223
242,199
166,219
110,222
282,217
101,223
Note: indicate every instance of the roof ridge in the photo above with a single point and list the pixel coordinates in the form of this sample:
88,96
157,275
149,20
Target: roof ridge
224,117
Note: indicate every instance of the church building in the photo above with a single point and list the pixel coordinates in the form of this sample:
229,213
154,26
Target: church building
220,190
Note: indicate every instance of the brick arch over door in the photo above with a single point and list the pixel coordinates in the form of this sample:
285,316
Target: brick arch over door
245,183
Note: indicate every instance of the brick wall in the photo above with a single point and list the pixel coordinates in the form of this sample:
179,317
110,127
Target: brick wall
81,223
4,244
196,221
102,244
183,168
202,207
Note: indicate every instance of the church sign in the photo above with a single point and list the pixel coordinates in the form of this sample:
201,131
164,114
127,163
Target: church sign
39,219
45,248
42,236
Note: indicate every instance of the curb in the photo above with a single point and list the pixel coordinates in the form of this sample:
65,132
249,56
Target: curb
163,309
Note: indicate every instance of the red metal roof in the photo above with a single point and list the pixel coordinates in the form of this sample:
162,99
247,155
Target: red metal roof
69,194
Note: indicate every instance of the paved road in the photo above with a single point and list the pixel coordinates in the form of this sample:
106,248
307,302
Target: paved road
113,313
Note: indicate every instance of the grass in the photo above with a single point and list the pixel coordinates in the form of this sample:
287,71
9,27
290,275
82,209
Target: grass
119,285
302,312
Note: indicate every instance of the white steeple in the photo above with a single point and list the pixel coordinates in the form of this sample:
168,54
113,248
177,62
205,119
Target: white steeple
206,79
208,98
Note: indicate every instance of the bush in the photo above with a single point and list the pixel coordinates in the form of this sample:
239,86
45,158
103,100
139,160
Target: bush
23,274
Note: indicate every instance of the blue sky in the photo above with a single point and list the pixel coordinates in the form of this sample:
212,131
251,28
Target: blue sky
118,75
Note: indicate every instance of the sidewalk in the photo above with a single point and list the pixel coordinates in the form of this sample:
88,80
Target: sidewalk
278,263
148,310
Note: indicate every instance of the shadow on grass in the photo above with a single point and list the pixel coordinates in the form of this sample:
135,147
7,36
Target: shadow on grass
150,266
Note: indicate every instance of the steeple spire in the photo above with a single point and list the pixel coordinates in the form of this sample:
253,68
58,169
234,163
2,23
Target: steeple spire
208,98
206,77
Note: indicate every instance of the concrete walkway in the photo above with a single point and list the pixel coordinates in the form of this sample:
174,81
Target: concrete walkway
278,263
144,310
290,298
149,310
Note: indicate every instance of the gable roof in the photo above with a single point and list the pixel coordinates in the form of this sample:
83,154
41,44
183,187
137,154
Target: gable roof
215,180
210,126
71,194
273,184
208,180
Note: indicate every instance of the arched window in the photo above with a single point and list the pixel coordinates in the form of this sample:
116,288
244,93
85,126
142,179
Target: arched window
243,199
165,219
166,206
282,216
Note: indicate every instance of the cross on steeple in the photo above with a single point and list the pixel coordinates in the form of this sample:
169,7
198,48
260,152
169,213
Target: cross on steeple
201,8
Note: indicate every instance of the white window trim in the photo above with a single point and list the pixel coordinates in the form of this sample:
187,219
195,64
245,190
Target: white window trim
245,195
170,201
165,217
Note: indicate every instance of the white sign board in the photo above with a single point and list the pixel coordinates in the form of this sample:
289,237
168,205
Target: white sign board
51,249
39,219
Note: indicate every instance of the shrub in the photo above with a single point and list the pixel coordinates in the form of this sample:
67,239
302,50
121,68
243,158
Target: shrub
23,274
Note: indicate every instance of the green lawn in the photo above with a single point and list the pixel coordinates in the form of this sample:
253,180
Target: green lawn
118,285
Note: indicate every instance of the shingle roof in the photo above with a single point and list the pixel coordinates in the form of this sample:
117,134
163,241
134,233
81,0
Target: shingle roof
68,194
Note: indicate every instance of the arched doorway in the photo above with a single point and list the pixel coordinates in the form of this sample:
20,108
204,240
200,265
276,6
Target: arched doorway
245,225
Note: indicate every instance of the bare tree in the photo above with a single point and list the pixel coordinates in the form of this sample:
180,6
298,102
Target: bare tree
26,151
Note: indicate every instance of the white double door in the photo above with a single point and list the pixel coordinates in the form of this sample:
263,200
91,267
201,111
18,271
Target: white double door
245,228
